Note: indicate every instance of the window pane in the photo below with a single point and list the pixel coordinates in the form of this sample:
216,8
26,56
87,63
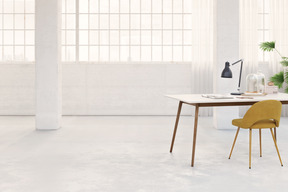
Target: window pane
177,53
124,37
30,36
104,53
19,37
146,53
177,6
104,21
29,22
187,6
8,6
156,6
70,6
8,21
83,21
114,6
94,6
94,37
114,53
135,21
71,37
83,53
93,21
135,6
114,21
8,37
93,53
19,53
104,37
8,53
19,21
157,22
19,7
104,6
30,6
146,6
167,21
156,53
146,22
146,38
83,37
124,53
70,21
70,53
135,53
167,37
124,8
167,6
167,53
156,37
83,6
177,37
124,21
135,37
177,21
114,37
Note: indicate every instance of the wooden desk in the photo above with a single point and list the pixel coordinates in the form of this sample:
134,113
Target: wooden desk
198,101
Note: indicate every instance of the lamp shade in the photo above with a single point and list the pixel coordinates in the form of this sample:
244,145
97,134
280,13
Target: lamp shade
226,73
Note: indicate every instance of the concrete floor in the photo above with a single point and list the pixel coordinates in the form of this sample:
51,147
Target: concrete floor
131,154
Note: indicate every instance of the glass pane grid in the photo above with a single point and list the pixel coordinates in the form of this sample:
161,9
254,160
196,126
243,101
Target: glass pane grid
263,27
17,31
128,30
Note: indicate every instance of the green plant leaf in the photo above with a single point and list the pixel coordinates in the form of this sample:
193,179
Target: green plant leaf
285,58
278,79
284,63
267,46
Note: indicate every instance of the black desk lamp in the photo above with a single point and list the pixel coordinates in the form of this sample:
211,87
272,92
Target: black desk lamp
227,73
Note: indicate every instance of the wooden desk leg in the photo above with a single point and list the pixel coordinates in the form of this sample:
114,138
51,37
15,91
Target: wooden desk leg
176,125
195,134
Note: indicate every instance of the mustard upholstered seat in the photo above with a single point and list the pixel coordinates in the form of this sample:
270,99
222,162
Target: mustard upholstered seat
261,115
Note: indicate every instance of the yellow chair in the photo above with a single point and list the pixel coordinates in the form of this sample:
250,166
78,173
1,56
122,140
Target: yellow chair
261,115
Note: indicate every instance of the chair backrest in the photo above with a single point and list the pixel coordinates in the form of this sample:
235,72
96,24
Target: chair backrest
267,109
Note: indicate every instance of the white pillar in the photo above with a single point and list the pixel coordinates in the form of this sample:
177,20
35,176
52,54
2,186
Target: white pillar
227,49
48,64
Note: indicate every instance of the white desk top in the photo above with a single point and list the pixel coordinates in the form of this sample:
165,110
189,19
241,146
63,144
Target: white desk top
197,98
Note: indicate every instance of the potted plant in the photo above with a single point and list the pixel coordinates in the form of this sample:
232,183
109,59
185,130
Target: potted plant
281,77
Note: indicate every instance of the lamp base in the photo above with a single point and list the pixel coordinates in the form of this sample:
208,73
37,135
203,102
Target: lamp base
236,93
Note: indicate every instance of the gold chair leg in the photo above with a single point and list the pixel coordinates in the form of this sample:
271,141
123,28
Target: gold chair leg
260,142
250,141
276,146
234,142
275,134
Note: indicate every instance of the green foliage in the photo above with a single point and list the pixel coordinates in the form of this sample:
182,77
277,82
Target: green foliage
284,63
278,79
267,46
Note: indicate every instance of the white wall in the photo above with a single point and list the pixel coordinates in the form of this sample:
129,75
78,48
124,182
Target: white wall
100,89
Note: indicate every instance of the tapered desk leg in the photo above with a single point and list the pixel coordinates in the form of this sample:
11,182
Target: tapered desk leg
195,134
176,125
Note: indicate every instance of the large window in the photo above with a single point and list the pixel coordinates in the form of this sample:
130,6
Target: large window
17,30
263,26
127,30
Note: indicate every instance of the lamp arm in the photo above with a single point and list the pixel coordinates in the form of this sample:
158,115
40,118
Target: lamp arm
240,75
241,60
